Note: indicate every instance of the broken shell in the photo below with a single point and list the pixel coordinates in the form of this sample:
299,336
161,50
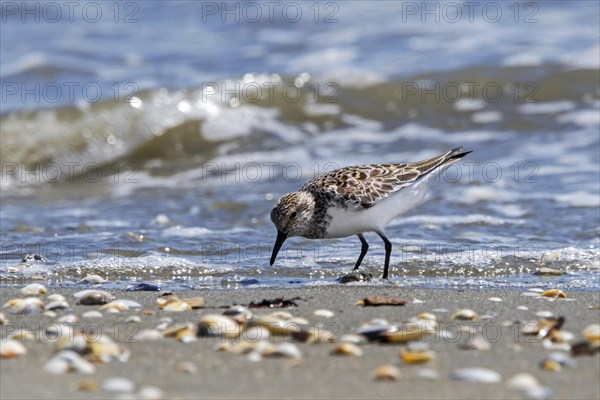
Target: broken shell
28,305
218,325
33,289
11,348
347,349
386,373
93,279
522,381
324,313
551,365
68,361
93,297
592,333
476,375
465,315
554,293
411,356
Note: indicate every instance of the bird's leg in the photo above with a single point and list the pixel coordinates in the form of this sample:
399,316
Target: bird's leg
388,253
363,250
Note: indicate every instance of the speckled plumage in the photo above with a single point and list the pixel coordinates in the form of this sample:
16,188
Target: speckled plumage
356,199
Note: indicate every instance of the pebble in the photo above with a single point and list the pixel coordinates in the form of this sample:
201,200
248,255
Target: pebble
476,375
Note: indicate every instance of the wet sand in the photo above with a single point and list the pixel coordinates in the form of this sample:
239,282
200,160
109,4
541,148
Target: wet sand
223,375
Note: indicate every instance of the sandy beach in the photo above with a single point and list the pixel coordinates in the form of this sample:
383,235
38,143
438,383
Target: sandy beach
318,374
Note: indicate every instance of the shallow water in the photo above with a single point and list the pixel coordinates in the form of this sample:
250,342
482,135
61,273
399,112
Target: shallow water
153,148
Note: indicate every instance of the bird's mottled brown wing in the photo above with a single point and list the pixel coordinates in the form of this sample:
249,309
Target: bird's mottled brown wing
365,185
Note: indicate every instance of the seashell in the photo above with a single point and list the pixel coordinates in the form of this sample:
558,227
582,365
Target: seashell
522,381
23,335
377,332
55,297
408,332
68,361
315,335
115,306
49,314
592,333
522,308
25,306
555,293
87,385
284,315
149,393
118,384
347,349
194,302
218,325
284,349
465,315
239,313
324,313
410,356
353,338
530,328
255,333
174,331
186,336
187,367
93,314
254,356
386,373
476,375
551,365
70,319
57,305
33,289
585,348
104,350
11,348
298,321
3,319
277,326
549,257
70,339
177,306
133,319
475,343
93,279
146,335
544,314
428,373
92,297
426,316
495,299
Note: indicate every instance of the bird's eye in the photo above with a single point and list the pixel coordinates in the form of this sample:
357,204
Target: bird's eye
293,215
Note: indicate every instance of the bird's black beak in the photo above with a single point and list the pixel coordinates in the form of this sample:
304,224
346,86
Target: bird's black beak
278,242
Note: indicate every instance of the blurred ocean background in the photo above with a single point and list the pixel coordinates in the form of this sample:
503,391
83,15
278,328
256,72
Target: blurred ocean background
148,141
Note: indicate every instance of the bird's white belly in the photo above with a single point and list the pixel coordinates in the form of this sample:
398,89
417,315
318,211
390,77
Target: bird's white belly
351,221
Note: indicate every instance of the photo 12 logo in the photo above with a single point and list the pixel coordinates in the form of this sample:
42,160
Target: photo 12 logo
52,12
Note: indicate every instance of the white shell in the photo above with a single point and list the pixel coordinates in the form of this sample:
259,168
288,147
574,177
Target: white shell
324,313
118,384
33,289
11,348
68,361
93,279
93,297
476,375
